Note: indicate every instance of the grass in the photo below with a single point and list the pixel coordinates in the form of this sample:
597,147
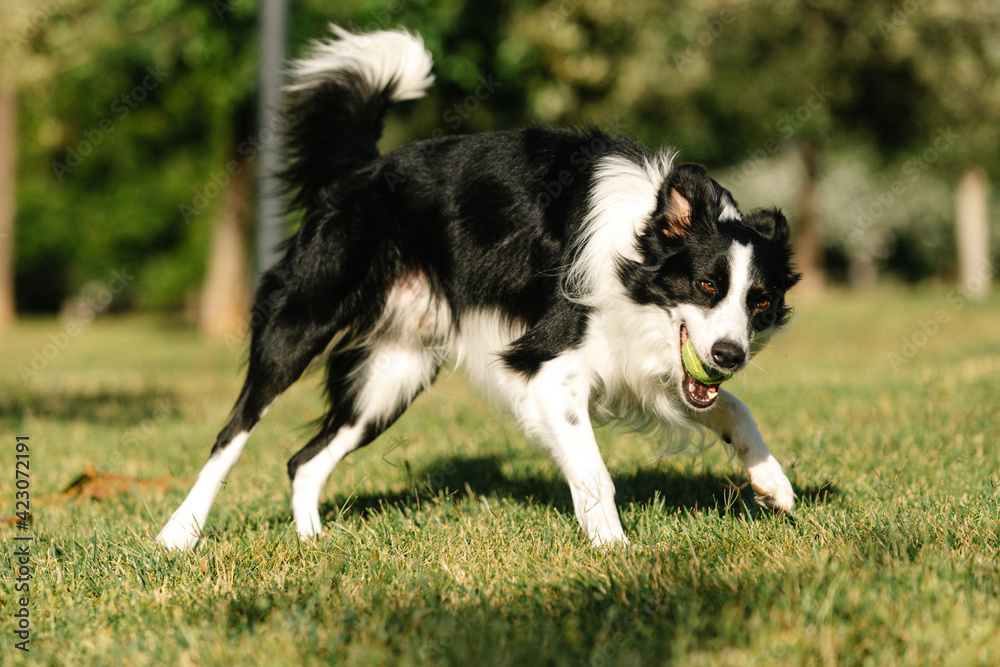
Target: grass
451,541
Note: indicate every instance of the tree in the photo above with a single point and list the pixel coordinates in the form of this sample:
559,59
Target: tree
8,162
952,51
131,112
15,23
136,105
225,297
730,82
973,233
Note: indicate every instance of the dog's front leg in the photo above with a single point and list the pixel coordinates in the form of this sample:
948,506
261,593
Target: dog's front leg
731,419
553,409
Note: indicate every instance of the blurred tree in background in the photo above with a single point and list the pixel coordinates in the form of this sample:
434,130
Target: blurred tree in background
135,139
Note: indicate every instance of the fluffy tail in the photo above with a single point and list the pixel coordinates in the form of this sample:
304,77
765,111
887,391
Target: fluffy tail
339,95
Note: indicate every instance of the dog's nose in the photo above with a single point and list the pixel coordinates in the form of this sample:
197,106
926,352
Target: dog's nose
728,354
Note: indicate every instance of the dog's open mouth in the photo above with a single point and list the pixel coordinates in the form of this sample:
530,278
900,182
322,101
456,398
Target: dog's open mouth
700,385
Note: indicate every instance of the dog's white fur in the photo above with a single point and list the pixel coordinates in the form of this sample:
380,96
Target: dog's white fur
628,362
381,57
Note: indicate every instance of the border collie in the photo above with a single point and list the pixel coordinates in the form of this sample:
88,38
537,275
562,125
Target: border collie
565,271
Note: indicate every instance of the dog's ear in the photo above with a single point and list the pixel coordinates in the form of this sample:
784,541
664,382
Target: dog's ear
677,216
688,197
769,223
687,200
729,210
772,225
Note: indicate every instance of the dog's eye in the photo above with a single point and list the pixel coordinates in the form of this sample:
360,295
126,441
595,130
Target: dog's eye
707,286
763,303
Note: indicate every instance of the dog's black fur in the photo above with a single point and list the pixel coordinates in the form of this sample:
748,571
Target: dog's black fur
502,223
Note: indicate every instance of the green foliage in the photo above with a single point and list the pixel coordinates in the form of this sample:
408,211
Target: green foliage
128,126
451,541
131,109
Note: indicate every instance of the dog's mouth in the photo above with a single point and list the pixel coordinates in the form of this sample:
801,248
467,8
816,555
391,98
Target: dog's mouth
700,385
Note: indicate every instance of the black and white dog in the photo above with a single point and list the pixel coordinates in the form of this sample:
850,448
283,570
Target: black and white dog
565,272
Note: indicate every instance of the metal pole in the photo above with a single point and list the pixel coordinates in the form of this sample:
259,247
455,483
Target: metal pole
273,15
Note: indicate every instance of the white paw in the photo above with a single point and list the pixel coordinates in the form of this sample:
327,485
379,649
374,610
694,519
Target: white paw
598,516
609,538
308,524
309,533
178,536
772,486
601,524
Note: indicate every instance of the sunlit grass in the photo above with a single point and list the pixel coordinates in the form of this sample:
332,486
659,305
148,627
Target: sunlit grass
449,540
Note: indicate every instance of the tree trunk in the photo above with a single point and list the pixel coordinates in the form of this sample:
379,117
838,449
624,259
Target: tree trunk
225,297
973,233
808,257
8,177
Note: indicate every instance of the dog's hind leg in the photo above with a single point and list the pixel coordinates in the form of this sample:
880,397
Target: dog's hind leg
369,388
731,419
282,347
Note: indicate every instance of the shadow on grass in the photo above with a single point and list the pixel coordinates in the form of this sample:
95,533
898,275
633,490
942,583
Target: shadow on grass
104,406
456,478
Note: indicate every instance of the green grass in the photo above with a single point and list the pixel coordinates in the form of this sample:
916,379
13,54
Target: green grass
451,541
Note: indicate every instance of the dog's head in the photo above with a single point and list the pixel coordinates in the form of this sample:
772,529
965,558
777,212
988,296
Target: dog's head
721,276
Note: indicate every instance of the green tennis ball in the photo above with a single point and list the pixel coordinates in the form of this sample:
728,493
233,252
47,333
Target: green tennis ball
697,370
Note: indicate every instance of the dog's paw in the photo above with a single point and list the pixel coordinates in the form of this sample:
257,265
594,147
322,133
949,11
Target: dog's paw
608,540
774,491
309,532
308,523
177,536
602,526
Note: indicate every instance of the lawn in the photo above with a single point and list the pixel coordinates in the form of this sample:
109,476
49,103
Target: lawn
451,541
